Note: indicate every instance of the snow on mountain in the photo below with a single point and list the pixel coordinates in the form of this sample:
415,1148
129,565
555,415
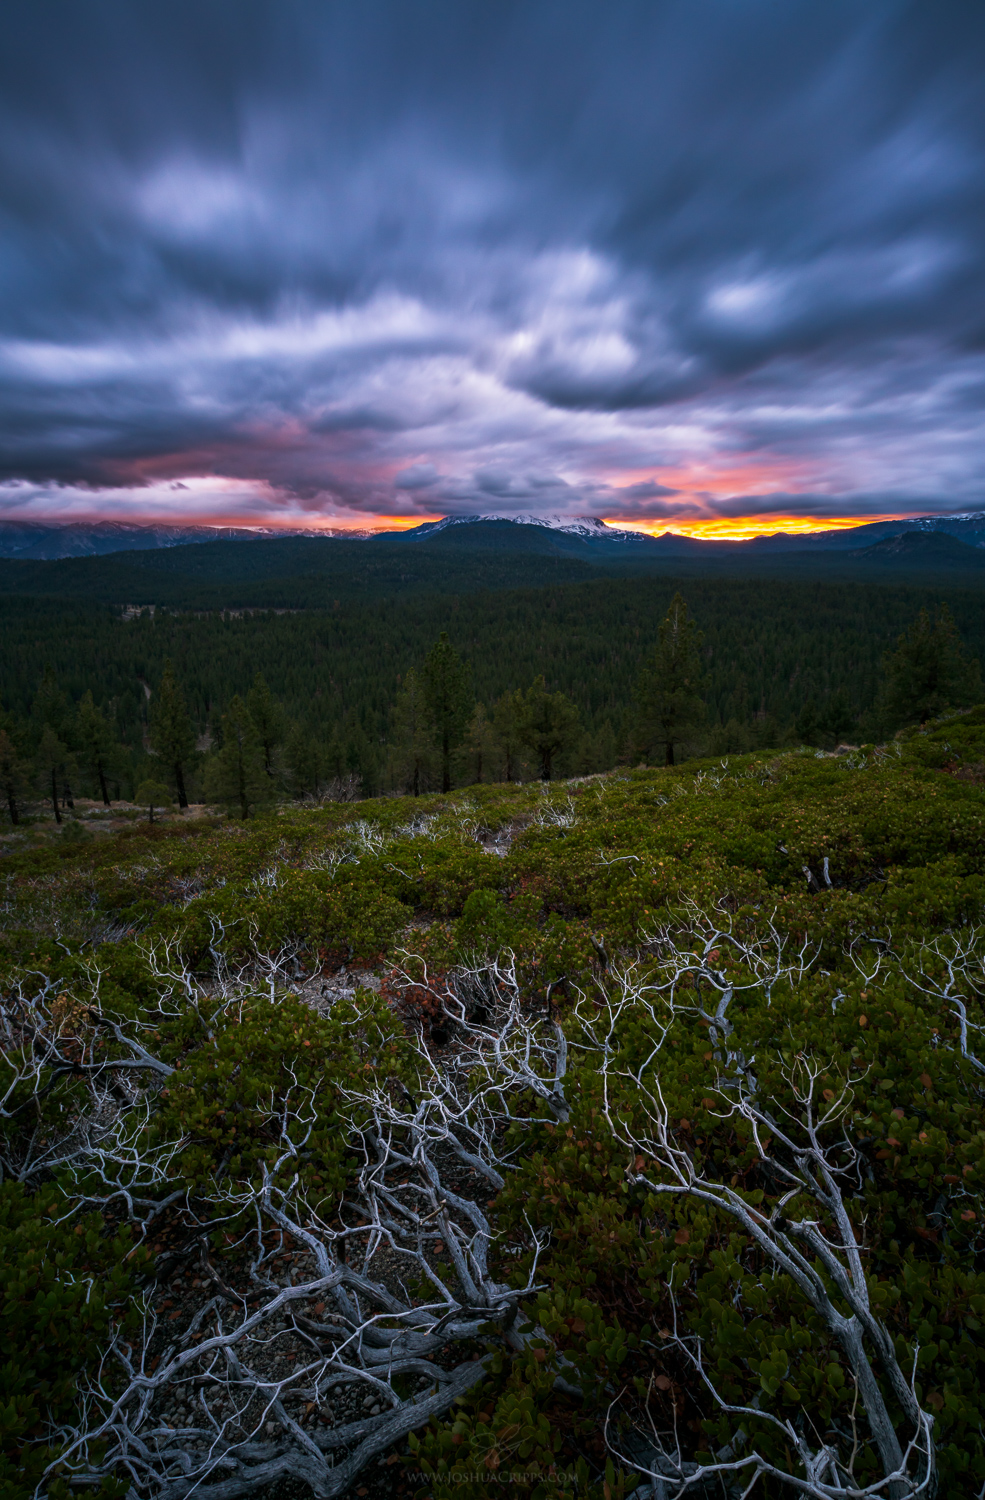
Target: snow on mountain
974,518
39,541
590,527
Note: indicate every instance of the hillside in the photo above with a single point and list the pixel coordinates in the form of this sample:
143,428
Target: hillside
559,1096
925,549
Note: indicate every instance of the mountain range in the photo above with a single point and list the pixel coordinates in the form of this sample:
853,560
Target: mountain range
580,536
464,556
40,541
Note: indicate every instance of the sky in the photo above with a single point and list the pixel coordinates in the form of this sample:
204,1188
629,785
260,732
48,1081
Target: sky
713,266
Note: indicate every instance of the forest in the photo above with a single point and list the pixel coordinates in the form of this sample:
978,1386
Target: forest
800,662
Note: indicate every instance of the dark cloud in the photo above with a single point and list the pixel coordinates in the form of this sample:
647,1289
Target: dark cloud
678,259
646,489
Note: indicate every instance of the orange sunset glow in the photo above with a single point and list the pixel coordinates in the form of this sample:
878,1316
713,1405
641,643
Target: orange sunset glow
741,529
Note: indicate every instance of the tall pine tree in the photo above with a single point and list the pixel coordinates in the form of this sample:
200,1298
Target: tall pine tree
269,720
548,725
236,774
670,709
411,751
305,760
172,733
53,763
13,778
507,723
448,699
96,744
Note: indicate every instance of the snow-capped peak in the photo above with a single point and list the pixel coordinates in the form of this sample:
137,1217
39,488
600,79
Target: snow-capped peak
585,526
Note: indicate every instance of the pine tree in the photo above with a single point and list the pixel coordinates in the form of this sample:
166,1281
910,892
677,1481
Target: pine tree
13,779
51,711
95,744
929,671
268,720
51,707
479,749
236,774
172,733
548,725
670,708
411,753
447,696
305,760
838,716
807,724
507,720
53,763
151,794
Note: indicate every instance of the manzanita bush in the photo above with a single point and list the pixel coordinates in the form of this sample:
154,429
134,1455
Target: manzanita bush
623,1137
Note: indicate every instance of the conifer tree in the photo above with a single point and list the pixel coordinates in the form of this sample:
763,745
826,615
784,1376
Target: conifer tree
95,743
51,707
13,779
807,724
53,762
838,717
507,720
151,794
929,671
172,733
411,736
670,708
548,725
236,774
304,757
268,720
51,710
480,746
445,685
334,764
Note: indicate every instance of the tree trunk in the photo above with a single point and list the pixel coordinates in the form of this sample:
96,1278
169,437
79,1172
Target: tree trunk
12,806
54,796
445,763
179,777
67,794
670,753
417,779
102,786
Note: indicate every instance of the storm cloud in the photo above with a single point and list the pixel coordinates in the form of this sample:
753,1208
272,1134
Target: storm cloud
660,261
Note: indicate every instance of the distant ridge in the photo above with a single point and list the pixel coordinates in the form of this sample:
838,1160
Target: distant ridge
48,541
586,537
927,548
